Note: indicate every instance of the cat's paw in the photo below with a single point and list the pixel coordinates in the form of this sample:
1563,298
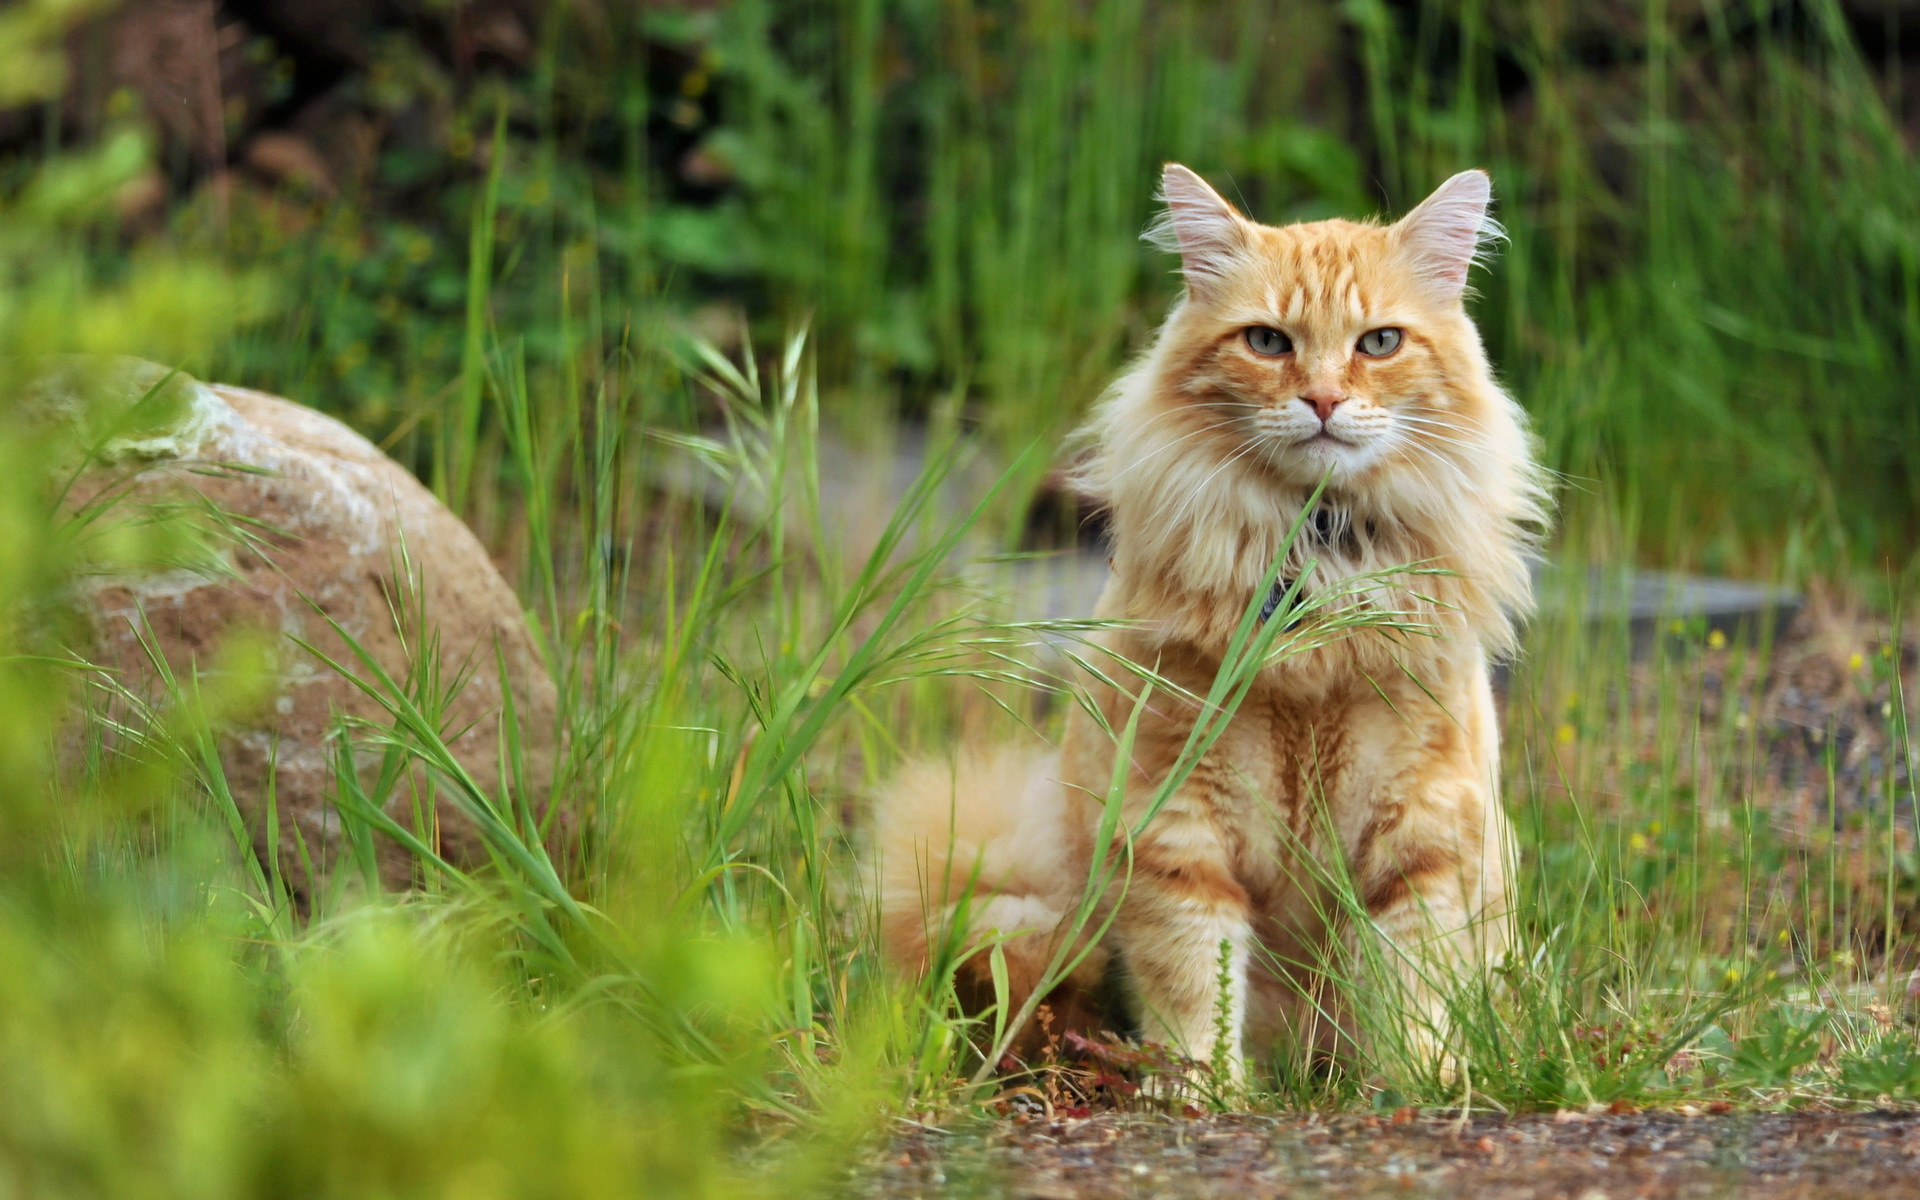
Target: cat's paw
1172,1087
1196,1083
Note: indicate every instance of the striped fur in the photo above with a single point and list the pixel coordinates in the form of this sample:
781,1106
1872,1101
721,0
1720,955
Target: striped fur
1364,764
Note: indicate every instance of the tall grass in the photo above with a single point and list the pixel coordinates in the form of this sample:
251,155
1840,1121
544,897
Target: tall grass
952,193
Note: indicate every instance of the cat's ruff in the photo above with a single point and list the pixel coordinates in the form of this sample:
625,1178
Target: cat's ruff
1359,766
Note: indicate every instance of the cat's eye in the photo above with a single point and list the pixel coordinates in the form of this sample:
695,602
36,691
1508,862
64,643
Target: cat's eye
1378,343
1264,340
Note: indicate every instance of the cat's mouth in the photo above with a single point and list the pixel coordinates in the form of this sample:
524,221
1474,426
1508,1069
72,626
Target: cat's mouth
1310,456
1326,450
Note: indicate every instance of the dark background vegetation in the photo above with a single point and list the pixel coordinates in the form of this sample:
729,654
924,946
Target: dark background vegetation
1710,304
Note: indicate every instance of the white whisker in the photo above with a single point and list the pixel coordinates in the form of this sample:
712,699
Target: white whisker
1430,423
1149,457
1431,434
1401,441
1201,488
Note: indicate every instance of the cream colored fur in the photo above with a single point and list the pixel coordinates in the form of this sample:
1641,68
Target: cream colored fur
1362,763
990,830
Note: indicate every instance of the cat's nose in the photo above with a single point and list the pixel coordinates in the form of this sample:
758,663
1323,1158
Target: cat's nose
1322,403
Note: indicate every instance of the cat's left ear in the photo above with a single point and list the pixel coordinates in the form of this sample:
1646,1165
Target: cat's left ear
1449,230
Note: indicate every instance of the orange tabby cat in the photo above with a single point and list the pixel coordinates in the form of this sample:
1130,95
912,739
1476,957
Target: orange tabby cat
1361,764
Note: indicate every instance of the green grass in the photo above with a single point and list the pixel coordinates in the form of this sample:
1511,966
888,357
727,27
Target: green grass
688,1002
1712,272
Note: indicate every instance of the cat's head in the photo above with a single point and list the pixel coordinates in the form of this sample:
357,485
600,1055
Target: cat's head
1330,346
1338,351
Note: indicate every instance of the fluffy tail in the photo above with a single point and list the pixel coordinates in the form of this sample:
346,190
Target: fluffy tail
989,838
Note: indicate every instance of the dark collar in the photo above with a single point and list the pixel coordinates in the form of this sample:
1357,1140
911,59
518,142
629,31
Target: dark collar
1274,596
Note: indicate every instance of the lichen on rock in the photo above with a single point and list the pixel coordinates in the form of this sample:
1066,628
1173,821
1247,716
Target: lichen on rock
113,409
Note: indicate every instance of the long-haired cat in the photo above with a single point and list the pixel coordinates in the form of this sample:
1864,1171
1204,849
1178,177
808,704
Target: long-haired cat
1352,801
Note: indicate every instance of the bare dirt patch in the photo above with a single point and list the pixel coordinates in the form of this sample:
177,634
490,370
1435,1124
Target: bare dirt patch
1645,1156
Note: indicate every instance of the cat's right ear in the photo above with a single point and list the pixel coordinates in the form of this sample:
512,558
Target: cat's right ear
1203,229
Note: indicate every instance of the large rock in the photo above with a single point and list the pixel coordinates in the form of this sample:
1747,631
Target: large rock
320,519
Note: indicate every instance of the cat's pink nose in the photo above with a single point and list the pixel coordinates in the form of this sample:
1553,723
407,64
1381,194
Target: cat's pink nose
1322,403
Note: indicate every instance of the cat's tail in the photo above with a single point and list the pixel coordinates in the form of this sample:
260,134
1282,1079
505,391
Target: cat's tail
980,848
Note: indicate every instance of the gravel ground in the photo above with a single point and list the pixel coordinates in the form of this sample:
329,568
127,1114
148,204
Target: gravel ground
1566,1156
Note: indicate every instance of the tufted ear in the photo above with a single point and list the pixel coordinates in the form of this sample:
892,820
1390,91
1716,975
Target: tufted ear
1449,231
1199,226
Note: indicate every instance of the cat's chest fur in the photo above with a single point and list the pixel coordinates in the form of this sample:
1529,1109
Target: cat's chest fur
1304,777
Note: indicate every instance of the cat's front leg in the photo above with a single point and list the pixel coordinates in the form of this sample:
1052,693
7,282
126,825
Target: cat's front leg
1184,931
1435,893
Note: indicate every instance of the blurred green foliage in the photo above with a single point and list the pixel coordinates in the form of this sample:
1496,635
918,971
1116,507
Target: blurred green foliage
1712,273
164,1031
